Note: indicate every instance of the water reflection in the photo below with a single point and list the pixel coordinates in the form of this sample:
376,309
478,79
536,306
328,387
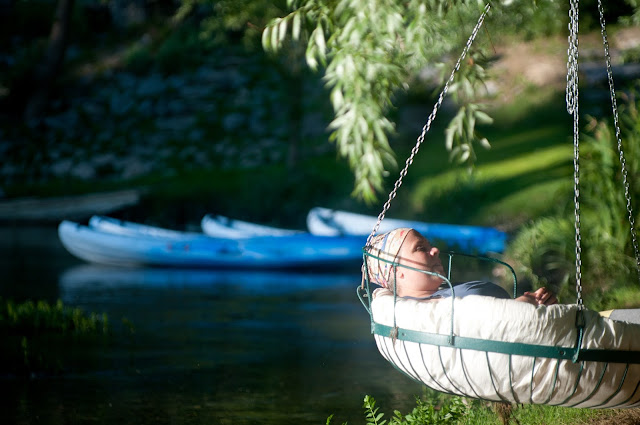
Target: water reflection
92,277
210,347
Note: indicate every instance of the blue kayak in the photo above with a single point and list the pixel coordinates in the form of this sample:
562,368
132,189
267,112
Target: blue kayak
198,250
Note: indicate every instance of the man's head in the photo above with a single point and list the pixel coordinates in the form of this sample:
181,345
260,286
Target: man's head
387,248
406,247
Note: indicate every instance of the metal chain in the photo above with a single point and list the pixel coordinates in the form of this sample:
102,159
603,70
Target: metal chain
572,108
427,126
623,166
572,61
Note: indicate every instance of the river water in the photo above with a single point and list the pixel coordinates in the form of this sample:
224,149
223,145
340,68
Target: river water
200,346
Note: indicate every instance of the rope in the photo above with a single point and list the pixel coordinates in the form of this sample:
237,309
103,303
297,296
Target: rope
572,108
623,166
427,126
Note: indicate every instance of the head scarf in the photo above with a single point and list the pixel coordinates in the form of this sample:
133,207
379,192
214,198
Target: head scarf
385,246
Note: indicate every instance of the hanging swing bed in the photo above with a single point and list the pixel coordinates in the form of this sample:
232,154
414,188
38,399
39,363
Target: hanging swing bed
498,349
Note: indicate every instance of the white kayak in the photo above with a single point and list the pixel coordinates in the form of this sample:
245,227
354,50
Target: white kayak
223,227
122,227
328,222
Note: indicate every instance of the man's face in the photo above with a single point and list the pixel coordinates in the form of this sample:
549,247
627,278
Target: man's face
417,252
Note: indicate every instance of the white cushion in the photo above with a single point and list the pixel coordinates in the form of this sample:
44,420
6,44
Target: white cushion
500,377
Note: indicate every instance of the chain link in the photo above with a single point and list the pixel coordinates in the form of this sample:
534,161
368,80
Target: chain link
572,108
427,126
616,122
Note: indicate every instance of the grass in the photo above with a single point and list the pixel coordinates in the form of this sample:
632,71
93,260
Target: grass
558,415
528,414
433,408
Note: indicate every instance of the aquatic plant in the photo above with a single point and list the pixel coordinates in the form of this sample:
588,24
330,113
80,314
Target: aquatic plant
43,337
30,318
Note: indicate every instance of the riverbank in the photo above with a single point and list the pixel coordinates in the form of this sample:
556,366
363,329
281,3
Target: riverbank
227,129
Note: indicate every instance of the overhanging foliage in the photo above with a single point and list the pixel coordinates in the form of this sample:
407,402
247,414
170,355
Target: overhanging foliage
371,50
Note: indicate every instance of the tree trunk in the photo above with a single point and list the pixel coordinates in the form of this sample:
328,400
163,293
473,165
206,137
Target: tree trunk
295,90
46,73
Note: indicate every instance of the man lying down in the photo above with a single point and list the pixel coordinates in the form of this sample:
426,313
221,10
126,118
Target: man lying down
408,247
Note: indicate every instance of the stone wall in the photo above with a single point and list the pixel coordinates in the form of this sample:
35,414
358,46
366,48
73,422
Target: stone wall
233,111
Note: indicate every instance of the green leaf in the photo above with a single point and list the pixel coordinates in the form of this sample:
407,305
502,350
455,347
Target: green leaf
379,132
282,30
274,33
471,123
454,153
266,34
320,41
466,153
337,100
310,56
483,117
449,133
296,27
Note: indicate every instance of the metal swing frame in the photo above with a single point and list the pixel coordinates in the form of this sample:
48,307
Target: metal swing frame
575,353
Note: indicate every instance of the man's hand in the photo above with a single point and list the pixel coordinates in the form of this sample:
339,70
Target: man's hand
542,296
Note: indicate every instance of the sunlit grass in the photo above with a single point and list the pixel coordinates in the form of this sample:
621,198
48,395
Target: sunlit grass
536,161
533,166
551,415
540,199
